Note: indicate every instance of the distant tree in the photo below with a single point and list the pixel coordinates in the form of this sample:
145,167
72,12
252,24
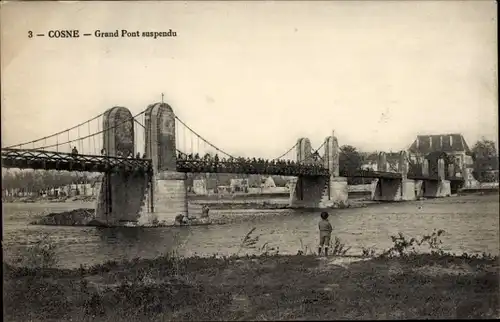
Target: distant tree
350,160
36,181
485,156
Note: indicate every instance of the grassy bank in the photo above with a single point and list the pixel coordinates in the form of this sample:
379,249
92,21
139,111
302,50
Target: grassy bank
397,284
260,288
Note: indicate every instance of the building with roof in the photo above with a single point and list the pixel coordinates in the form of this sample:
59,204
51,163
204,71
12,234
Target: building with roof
452,144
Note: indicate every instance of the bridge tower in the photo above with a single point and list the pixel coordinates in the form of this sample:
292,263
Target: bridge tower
396,189
337,186
120,194
134,197
304,151
320,191
438,187
167,194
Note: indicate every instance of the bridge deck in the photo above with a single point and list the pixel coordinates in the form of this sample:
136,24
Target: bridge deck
50,160
250,167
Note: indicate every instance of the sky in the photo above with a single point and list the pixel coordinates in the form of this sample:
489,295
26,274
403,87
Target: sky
253,77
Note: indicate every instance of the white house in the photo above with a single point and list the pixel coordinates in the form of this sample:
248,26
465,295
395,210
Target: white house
268,183
200,186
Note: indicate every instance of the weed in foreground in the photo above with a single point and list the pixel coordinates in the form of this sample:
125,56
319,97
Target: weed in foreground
368,252
403,246
338,248
42,254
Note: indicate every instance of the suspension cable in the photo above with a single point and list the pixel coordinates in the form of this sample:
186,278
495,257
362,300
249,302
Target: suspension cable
293,147
319,147
104,130
143,126
55,134
93,143
216,148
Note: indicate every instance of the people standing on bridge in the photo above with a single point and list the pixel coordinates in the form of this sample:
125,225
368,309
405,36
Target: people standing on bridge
138,156
325,233
74,151
103,152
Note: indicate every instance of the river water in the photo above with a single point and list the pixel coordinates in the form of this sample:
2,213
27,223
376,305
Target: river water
471,224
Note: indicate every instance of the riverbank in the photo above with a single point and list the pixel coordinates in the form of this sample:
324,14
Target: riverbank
257,288
76,217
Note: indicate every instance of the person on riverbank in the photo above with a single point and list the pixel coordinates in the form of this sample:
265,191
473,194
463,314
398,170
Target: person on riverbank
325,233
204,214
204,211
178,219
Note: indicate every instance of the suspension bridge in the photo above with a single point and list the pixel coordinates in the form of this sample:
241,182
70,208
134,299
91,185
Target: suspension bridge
145,158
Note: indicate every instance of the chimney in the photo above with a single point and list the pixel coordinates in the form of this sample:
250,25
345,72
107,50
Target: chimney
441,141
451,140
430,142
418,142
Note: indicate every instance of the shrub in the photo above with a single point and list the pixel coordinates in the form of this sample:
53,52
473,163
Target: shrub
403,246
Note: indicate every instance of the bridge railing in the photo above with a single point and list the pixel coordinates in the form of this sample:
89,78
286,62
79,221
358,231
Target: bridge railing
50,160
250,167
369,174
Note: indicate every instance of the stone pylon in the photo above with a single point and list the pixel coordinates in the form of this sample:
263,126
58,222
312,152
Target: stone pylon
403,164
319,192
304,153
407,186
338,189
382,162
120,195
167,195
118,135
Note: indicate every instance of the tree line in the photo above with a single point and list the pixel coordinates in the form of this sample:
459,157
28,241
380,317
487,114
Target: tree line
34,181
485,161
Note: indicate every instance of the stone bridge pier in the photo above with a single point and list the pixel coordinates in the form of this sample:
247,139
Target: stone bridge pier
384,189
135,198
405,189
166,197
320,191
434,188
120,195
